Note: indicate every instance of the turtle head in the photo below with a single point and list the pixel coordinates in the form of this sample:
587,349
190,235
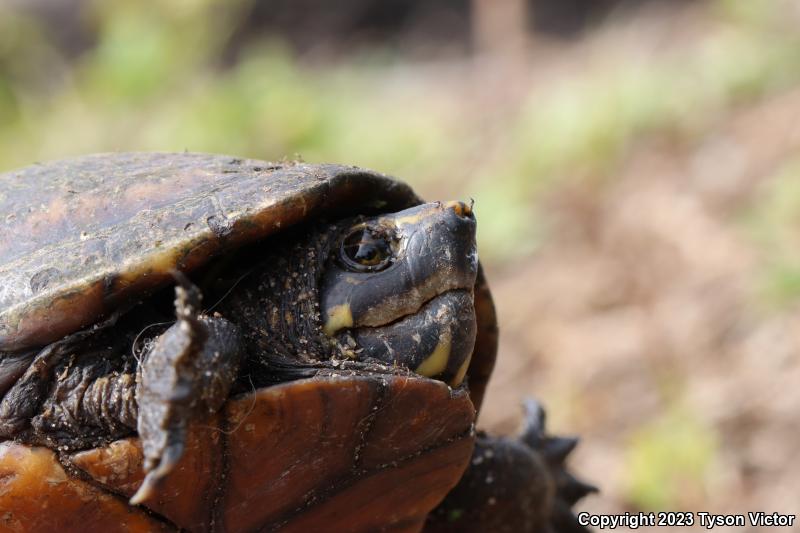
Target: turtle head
399,288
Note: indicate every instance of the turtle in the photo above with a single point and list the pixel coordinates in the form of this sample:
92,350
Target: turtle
211,343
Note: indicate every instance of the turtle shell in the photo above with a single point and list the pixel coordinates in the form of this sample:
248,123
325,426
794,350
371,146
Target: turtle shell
335,452
351,449
105,229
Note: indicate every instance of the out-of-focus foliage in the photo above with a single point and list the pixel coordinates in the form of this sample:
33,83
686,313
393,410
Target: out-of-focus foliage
583,125
157,80
774,222
668,461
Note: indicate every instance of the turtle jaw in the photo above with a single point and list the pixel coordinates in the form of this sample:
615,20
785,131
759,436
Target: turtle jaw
435,342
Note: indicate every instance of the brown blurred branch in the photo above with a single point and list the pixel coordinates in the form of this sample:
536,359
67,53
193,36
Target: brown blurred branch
499,26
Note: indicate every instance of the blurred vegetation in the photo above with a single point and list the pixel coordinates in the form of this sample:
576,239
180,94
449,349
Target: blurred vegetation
774,224
157,79
668,460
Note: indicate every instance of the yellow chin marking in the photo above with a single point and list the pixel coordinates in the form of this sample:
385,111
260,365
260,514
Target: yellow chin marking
339,317
436,362
462,371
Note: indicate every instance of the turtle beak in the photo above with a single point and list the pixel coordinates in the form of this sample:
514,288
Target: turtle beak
460,208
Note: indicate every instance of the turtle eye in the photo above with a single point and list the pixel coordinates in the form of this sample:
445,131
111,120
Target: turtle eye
366,249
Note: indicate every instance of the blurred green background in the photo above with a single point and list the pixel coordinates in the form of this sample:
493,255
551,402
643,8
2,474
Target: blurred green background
634,165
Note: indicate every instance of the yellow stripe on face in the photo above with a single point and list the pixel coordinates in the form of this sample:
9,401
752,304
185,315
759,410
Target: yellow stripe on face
436,362
460,208
339,317
462,371
410,219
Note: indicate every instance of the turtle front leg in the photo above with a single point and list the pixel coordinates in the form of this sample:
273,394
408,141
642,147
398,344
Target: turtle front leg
187,373
26,379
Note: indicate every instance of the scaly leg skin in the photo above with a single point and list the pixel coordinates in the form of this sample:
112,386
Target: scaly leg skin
187,373
26,379
515,484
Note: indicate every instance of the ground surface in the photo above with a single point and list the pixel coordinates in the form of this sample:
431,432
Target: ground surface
643,326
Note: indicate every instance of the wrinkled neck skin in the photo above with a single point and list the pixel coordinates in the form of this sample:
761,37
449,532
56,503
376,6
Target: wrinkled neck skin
277,303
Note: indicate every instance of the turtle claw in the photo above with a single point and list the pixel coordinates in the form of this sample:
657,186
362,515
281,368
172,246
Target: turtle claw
169,459
145,491
557,449
554,451
572,490
187,297
534,421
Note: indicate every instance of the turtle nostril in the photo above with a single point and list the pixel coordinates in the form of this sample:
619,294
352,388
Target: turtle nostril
460,208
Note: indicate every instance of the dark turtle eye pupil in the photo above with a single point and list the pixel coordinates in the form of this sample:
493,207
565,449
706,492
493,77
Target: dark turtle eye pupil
367,253
365,249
